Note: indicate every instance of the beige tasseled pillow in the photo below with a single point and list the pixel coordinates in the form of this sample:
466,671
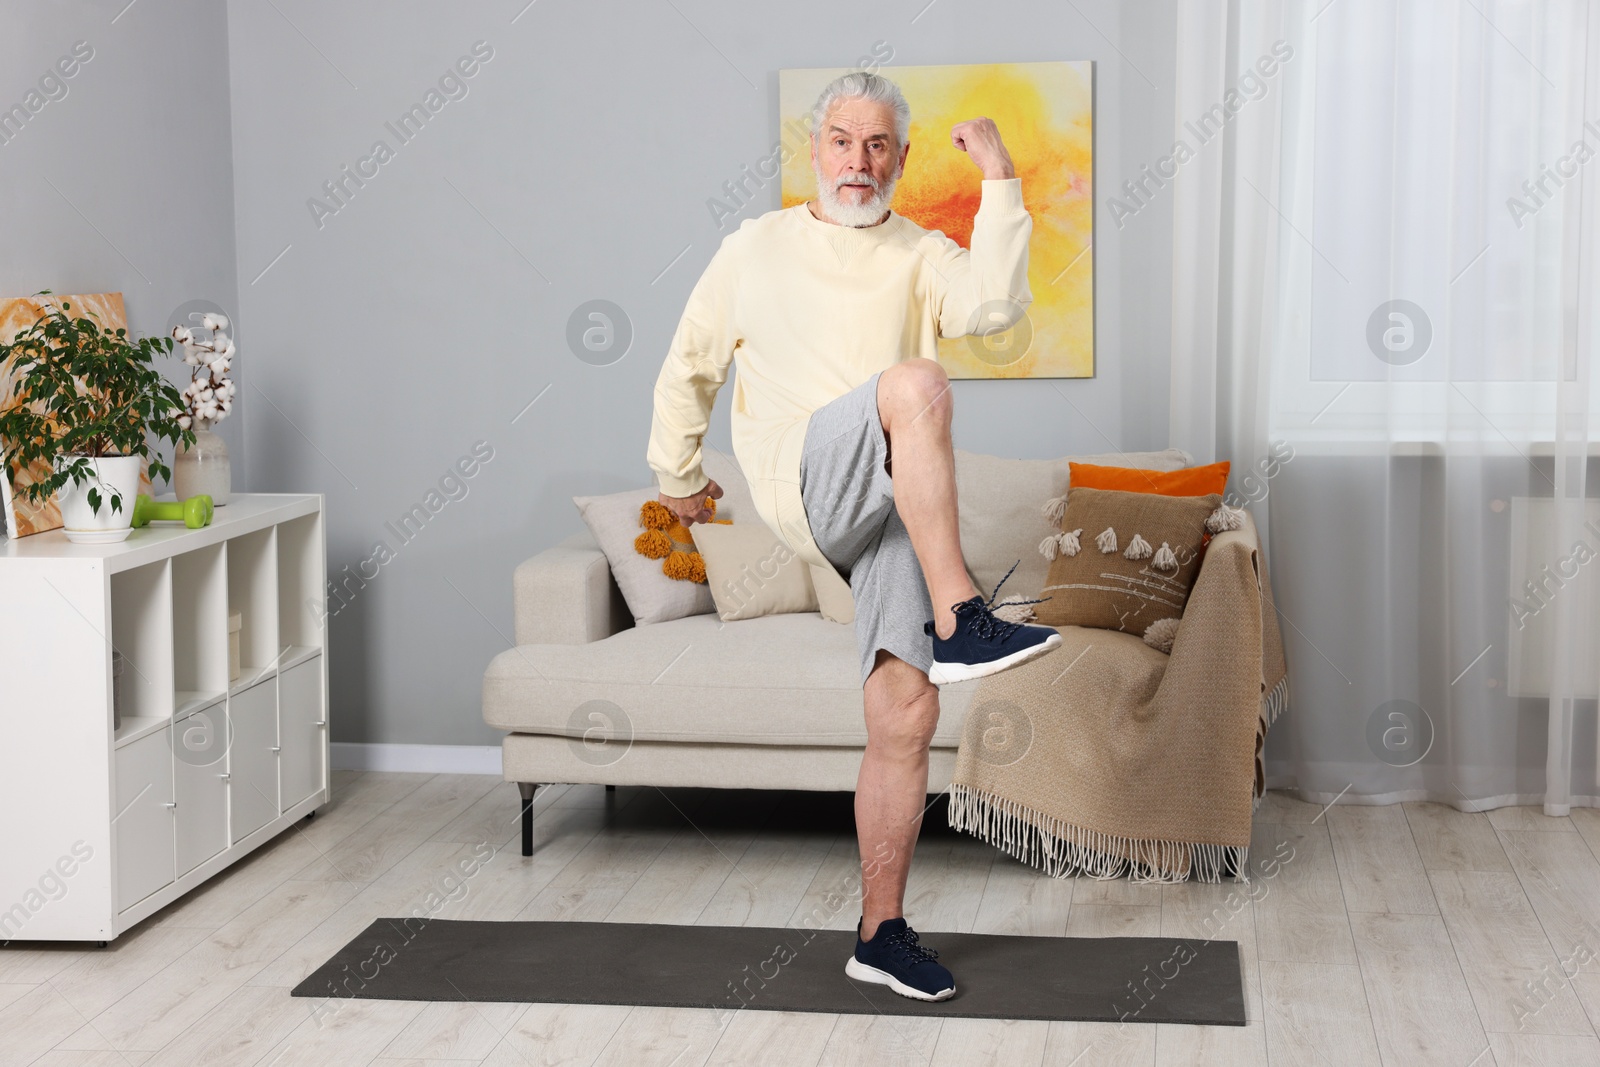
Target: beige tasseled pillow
1124,561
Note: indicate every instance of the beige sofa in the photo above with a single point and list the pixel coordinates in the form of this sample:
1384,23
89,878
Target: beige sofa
768,703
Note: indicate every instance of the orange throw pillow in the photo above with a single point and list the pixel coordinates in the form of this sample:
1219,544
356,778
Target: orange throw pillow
1190,481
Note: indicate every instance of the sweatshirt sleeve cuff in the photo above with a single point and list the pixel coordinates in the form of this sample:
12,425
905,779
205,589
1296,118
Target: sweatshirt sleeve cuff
682,487
1002,196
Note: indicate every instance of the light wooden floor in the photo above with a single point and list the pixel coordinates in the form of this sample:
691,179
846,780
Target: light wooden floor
1401,935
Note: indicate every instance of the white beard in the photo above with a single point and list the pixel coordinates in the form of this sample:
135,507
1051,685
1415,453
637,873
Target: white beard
847,213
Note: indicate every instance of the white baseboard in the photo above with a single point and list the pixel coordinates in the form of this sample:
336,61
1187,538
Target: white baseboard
430,759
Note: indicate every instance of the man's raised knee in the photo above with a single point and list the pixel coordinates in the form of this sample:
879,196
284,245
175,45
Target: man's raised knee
914,389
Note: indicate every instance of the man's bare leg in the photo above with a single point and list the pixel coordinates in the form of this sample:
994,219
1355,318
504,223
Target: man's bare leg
902,710
915,408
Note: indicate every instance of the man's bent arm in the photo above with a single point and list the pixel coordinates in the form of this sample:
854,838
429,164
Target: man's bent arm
993,276
695,368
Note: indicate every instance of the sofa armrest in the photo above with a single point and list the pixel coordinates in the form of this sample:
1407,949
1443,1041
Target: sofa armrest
566,595
1228,650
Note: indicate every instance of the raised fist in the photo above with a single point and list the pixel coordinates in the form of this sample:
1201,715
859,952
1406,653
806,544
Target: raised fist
980,140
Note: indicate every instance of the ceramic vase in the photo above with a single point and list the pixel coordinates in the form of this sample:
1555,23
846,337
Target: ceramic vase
203,467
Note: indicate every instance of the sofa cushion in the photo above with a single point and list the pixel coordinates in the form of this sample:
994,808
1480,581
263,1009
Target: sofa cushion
751,573
1000,501
777,680
1186,481
736,502
834,599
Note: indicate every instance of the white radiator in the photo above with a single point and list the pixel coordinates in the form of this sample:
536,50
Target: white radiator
1543,579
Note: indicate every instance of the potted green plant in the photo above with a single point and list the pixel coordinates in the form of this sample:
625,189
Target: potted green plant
86,398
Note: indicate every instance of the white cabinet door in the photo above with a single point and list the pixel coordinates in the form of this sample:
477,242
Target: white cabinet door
143,819
253,758
301,724
200,772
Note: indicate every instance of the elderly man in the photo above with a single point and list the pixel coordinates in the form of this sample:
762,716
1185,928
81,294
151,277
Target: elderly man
833,310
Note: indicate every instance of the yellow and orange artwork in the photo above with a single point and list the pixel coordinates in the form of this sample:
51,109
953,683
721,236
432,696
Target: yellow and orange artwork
23,516
1045,115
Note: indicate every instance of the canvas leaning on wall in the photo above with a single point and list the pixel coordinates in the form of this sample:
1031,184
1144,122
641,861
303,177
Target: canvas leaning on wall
23,517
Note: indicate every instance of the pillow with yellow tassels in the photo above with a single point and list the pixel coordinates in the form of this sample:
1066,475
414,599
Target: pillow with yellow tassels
658,588
667,539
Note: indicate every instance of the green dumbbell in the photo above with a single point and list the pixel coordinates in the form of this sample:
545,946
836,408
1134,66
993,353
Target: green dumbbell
194,512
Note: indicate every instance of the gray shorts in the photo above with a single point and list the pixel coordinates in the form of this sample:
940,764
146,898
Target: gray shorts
849,501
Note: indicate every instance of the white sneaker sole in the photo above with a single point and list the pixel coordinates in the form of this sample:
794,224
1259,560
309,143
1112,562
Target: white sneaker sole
947,673
863,973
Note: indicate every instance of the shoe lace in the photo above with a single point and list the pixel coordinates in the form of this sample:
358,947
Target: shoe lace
906,942
985,622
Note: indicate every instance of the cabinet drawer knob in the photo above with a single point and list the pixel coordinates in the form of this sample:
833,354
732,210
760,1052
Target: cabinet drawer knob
320,722
275,748
224,777
170,804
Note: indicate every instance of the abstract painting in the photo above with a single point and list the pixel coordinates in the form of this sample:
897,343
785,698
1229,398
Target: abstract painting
1045,115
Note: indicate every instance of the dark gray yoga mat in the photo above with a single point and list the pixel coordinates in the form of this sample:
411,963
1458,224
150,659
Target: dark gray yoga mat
1139,979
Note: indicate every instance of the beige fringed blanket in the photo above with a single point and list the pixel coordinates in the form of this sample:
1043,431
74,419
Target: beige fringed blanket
1107,757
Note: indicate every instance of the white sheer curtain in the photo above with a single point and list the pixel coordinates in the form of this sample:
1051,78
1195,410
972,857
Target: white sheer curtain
1385,283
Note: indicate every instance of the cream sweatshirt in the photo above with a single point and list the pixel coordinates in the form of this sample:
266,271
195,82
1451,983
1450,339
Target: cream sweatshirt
809,310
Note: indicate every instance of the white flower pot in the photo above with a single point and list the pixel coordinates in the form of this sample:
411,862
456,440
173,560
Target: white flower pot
85,526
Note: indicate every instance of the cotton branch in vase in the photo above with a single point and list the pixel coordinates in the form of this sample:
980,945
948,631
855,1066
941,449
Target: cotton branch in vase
209,397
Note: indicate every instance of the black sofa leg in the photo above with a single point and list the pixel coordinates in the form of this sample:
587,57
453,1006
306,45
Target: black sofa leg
527,789
611,789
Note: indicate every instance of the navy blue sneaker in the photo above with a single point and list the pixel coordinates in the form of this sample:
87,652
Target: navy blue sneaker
895,959
983,643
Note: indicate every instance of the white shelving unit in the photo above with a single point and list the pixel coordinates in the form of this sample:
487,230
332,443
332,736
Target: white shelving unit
100,827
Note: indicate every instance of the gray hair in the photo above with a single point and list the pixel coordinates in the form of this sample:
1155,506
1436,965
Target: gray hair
874,87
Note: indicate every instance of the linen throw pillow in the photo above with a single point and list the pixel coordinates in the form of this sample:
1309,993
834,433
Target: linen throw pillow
1126,560
834,598
736,502
651,596
751,573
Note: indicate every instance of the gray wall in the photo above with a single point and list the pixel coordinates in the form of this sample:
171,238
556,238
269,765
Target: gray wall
379,343
122,179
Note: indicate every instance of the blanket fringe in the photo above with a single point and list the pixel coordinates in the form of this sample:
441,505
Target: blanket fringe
1276,700
1272,705
1061,849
